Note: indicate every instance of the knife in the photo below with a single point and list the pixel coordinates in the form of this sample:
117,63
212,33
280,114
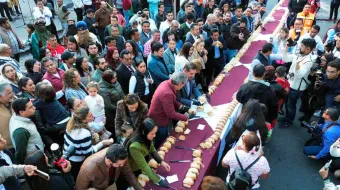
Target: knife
184,148
179,161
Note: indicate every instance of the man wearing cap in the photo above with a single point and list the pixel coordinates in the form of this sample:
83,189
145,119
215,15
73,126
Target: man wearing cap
238,37
102,16
84,34
68,61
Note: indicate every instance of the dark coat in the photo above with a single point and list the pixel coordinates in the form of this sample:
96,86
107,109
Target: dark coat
186,99
234,42
123,77
261,92
211,53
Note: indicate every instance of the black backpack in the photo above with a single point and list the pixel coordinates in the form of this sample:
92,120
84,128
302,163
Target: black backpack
240,179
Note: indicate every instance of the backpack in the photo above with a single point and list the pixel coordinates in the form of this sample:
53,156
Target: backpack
240,179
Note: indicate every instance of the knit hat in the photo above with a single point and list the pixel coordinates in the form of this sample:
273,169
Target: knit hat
66,55
81,26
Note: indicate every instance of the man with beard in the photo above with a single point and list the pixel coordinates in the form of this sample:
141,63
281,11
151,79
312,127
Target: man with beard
84,37
93,51
125,70
225,32
190,89
239,35
210,24
314,35
102,17
156,37
101,65
120,41
298,76
200,23
166,24
90,21
39,38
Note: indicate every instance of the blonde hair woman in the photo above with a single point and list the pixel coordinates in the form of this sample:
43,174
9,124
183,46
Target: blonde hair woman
199,57
78,135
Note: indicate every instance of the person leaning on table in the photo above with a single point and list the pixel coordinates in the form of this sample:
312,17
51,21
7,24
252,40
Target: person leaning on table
140,146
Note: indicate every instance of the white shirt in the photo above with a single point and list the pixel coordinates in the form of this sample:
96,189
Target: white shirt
77,4
8,161
300,76
180,61
96,105
319,44
164,25
45,13
133,82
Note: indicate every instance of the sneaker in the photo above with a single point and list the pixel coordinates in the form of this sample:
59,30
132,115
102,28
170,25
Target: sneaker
317,113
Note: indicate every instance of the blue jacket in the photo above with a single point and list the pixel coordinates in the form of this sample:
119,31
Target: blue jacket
184,98
158,70
328,138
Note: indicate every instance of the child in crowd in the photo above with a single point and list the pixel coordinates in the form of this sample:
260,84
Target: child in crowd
95,102
280,73
126,131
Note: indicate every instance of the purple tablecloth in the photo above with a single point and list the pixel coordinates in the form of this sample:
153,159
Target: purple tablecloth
209,156
230,84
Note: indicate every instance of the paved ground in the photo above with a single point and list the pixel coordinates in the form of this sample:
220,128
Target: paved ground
290,169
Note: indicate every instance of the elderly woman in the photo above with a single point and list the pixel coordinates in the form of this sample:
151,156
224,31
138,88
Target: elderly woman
78,134
130,110
27,88
51,112
140,146
9,74
111,91
73,86
33,68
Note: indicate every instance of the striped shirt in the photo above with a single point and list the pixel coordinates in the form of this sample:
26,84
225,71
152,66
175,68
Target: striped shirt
81,139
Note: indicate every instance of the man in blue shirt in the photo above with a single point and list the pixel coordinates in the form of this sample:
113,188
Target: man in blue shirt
330,133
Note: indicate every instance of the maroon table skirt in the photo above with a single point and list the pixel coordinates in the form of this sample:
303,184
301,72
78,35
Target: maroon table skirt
209,156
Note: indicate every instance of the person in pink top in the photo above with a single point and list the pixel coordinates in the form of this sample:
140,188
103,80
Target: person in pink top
280,73
164,105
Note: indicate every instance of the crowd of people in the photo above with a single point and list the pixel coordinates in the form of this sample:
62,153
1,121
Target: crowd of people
109,90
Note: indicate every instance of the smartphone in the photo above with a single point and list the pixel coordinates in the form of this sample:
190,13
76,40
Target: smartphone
327,165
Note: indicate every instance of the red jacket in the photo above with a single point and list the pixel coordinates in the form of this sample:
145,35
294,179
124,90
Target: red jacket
126,5
56,82
58,50
164,104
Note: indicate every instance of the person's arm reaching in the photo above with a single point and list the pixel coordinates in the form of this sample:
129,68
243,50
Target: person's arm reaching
169,109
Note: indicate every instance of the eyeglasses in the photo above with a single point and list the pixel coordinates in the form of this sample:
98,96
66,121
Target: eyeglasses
325,112
330,72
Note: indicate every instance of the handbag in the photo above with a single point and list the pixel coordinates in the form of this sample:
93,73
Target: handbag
316,139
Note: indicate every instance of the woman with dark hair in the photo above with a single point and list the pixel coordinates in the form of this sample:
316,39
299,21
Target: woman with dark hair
172,36
112,58
10,75
251,119
130,110
73,86
183,56
51,113
73,47
324,60
136,56
245,156
111,91
140,82
27,88
30,30
140,146
78,134
58,179
33,68
85,71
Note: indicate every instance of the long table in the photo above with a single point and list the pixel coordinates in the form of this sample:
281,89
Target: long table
222,95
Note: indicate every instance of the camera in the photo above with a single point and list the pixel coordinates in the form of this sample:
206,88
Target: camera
312,128
59,159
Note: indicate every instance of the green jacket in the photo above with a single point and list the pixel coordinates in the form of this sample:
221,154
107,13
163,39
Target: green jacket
137,154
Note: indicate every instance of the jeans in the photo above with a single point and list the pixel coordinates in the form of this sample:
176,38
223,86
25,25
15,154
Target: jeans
161,135
127,17
292,99
225,53
312,150
231,53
